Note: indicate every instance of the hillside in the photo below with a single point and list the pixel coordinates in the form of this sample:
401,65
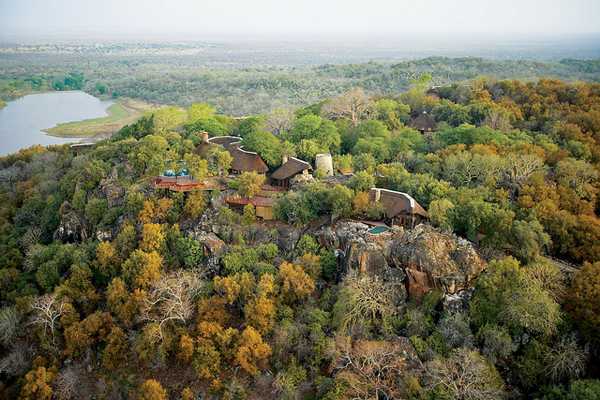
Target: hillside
449,248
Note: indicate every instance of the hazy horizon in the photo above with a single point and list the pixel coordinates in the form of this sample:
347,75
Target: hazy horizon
309,20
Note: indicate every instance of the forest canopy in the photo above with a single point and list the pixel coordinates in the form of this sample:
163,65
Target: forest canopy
163,294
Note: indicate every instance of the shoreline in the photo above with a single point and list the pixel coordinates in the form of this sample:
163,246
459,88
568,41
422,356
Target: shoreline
122,112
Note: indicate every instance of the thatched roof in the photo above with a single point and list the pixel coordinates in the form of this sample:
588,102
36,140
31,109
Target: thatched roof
246,161
225,140
290,168
396,203
423,123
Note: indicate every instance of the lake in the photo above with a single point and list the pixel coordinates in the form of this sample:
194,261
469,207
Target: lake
22,120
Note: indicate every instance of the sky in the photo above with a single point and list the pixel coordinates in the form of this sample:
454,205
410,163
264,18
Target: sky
200,19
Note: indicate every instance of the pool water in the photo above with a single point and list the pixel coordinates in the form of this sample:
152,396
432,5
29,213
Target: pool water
376,230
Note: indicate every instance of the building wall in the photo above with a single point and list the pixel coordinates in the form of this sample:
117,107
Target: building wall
265,213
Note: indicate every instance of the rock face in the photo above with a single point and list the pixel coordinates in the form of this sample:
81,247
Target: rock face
71,227
358,250
212,245
110,188
422,258
432,259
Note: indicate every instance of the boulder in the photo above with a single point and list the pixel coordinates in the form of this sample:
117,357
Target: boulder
114,193
433,259
212,245
358,250
110,188
71,227
287,238
422,259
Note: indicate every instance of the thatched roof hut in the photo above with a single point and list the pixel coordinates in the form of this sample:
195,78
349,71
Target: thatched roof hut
291,167
424,123
398,207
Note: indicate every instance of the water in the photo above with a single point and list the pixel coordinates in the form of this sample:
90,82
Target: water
22,120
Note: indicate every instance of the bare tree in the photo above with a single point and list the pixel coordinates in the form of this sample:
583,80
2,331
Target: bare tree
376,369
172,298
465,375
47,311
66,383
354,105
566,360
280,120
9,324
364,301
519,167
17,360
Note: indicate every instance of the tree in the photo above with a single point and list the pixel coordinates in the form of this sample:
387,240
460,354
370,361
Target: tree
252,351
9,324
354,105
126,306
142,268
37,385
583,303
197,166
370,369
151,390
439,213
116,350
506,295
392,113
95,210
153,238
199,111
249,215
195,205
364,303
340,200
295,283
168,118
151,154
219,160
260,312
566,360
465,375
106,255
308,149
267,145
171,299
321,131
249,184
529,240
47,311
362,181
279,120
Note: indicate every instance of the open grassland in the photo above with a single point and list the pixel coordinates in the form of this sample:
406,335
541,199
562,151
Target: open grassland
123,112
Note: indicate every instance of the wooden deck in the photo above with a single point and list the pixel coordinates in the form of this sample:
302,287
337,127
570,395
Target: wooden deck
186,185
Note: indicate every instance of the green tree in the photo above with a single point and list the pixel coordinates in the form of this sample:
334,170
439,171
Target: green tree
267,145
249,184
584,301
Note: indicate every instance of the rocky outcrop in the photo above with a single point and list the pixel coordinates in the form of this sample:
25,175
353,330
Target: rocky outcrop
422,258
433,259
71,227
114,193
212,246
358,250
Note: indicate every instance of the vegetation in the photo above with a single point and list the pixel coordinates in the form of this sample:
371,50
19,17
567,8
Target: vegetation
162,294
245,84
